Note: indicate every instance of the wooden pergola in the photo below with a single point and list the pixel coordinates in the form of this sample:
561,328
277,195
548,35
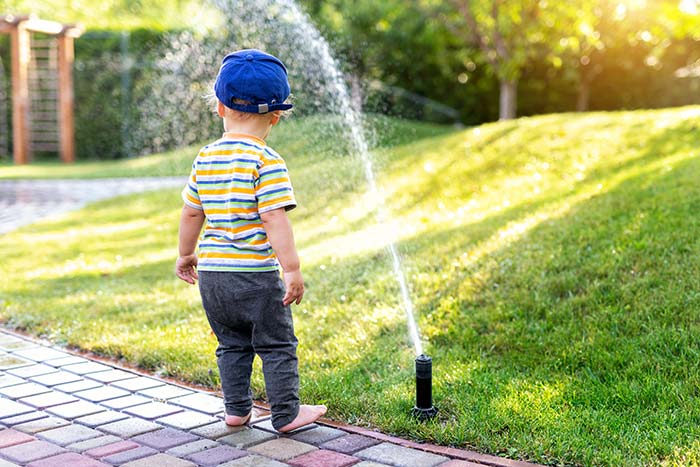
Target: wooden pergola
20,28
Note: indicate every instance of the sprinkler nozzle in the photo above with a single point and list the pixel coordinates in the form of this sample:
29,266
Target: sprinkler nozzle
424,409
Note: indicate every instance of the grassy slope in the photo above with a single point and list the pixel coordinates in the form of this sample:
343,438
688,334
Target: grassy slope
552,261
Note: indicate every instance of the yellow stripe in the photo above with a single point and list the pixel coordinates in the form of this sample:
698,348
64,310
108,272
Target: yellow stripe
232,211
226,191
205,254
229,152
193,200
274,181
274,201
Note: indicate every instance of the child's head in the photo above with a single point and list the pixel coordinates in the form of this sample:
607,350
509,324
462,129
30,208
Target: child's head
252,84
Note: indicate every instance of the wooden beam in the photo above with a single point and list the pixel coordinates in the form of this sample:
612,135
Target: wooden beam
19,38
65,98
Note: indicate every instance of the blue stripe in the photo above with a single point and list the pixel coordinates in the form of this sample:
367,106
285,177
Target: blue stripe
235,159
228,265
231,245
227,180
262,174
279,190
229,142
231,200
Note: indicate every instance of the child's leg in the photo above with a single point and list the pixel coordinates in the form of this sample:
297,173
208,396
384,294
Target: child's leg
235,353
274,341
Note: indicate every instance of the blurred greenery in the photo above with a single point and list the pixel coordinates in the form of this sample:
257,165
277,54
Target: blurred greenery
552,263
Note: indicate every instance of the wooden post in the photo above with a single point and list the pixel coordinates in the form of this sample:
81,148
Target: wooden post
65,97
20,93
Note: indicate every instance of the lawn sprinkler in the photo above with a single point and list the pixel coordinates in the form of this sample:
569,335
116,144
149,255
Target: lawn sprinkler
424,409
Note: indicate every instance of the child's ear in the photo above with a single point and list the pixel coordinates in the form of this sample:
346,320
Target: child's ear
275,118
220,109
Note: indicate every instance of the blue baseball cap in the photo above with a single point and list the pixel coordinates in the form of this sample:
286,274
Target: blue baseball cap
253,76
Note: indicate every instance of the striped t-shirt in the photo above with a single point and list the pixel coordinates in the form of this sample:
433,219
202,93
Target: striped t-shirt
234,180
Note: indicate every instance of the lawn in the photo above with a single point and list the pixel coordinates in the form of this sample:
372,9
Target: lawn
553,264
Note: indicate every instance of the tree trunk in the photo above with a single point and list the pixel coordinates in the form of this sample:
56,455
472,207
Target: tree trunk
355,92
508,100
584,95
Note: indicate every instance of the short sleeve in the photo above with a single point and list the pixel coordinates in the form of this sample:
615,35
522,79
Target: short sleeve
273,188
190,194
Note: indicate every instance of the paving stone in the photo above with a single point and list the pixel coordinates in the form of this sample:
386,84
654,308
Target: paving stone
9,380
10,408
129,427
7,464
217,430
138,383
191,448
318,435
6,338
101,418
101,393
111,449
370,464
71,459
70,360
254,461
201,402
323,458
23,390
93,443
460,463
246,438
49,399
266,424
130,455
282,448
31,370
41,424
400,456
24,418
164,439
76,409
86,368
54,379
187,420
8,361
166,392
127,401
18,344
160,460
349,444
110,376
31,451
216,456
69,434
153,410
81,385
40,354
12,437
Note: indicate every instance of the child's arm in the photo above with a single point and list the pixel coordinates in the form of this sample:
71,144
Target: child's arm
281,237
191,222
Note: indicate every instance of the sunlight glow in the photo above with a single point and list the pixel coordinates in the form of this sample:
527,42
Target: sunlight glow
689,7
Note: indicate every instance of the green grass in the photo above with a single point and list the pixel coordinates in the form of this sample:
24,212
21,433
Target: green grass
553,263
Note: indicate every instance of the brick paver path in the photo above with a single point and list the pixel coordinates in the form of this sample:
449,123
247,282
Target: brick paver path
25,201
58,409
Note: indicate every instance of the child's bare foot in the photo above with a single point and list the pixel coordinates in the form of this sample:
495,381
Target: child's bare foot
234,420
307,414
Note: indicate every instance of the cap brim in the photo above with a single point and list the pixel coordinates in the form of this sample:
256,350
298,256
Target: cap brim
260,109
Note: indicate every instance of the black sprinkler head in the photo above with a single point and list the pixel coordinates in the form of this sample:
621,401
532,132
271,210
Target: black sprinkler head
424,409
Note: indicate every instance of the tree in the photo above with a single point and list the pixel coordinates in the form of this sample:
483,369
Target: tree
504,31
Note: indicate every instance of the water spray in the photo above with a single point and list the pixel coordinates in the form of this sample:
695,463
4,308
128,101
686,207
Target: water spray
424,409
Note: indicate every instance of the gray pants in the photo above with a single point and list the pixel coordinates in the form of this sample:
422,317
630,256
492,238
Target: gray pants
246,313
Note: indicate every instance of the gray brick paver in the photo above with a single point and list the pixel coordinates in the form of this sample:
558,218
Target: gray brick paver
86,368
160,460
190,448
76,409
8,361
69,434
41,424
24,418
54,379
40,354
129,427
187,420
318,435
127,401
101,418
130,455
10,380
110,376
32,370
138,383
282,449
4,463
164,439
246,438
10,408
93,443
77,386
217,430
200,402
254,461
101,393
153,410
23,390
400,456
215,456
49,399
165,392
70,360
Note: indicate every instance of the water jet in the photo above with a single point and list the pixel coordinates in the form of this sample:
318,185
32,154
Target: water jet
424,408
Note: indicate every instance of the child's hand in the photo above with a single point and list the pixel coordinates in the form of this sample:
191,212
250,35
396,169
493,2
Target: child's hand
186,268
294,283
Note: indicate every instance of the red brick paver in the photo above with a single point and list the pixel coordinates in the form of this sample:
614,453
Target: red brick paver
114,448
68,459
11,437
